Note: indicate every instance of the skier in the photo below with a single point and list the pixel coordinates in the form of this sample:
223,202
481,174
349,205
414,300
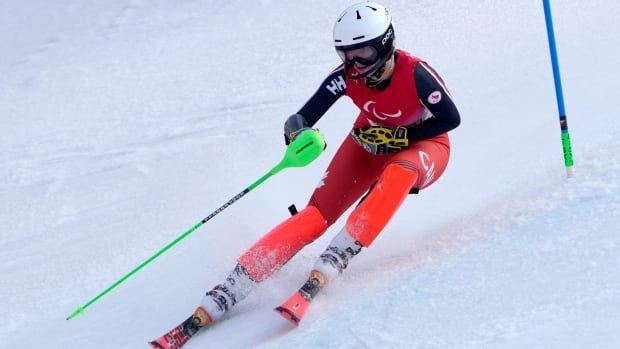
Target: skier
398,145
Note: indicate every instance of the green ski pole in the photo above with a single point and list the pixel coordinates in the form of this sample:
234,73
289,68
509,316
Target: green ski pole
302,151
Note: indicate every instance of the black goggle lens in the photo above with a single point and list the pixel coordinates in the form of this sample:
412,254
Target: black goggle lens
366,56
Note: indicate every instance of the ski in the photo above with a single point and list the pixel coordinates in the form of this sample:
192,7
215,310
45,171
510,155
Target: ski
294,308
178,336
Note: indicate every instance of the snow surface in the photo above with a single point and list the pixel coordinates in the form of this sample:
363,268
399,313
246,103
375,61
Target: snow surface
126,122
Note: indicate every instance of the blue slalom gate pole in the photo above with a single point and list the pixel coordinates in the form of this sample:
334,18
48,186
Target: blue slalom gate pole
566,144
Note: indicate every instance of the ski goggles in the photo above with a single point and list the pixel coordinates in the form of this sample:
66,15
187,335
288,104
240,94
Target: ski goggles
365,56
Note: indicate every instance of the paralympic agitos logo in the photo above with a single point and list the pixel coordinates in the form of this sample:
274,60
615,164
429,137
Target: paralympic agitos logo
370,108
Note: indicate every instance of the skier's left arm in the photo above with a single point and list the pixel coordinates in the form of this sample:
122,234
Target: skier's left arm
443,115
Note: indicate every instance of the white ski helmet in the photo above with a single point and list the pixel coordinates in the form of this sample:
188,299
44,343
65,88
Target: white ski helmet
364,38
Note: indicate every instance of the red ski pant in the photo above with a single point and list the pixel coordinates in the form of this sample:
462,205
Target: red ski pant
352,172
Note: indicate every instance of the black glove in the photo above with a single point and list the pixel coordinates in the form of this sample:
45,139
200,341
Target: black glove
293,126
381,139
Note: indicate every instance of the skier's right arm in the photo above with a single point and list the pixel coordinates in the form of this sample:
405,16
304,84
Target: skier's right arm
332,88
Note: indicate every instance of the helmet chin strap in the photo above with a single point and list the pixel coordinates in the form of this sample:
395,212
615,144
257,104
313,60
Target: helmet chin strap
382,74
